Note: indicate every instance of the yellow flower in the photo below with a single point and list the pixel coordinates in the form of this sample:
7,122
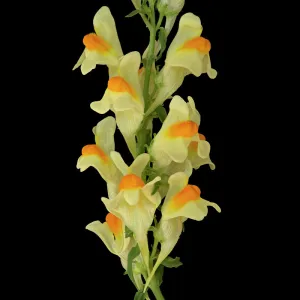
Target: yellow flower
178,130
187,54
134,204
189,50
125,98
97,155
112,233
102,47
183,201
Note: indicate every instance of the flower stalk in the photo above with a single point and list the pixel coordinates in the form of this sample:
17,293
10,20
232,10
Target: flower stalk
158,177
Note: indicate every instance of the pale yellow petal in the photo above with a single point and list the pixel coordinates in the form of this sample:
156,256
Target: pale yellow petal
177,150
179,111
104,233
139,164
113,71
203,149
119,162
148,189
194,61
128,244
197,162
162,159
212,73
189,28
97,58
190,210
113,188
177,182
195,210
80,61
123,101
87,66
84,162
193,112
128,122
102,106
204,202
104,134
185,167
129,67
105,27
132,197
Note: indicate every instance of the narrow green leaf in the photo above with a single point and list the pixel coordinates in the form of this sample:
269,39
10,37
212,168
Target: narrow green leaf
170,262
134,252
133,13
162,37
156,187
159,274
139,295
162,113
128,232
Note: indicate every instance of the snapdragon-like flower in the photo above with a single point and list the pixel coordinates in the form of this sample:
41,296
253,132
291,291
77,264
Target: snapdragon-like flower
97,155
187,54
179,129
183,201
102,47
112,234
125,98
135,205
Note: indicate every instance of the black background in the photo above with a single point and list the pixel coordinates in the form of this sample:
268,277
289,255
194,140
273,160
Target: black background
85,268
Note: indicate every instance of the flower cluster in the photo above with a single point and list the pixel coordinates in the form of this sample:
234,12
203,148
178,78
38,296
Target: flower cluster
158,177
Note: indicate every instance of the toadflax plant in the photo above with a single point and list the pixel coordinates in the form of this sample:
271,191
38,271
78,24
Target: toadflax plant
158,177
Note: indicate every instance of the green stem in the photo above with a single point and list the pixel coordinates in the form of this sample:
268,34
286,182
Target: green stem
157,292
150,58
160,19
143,17
154,287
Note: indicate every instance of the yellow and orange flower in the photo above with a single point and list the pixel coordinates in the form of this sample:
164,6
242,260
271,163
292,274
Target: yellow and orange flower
135,205
125,98
187,54
112,234
183,201
97,155
102,47
179,129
